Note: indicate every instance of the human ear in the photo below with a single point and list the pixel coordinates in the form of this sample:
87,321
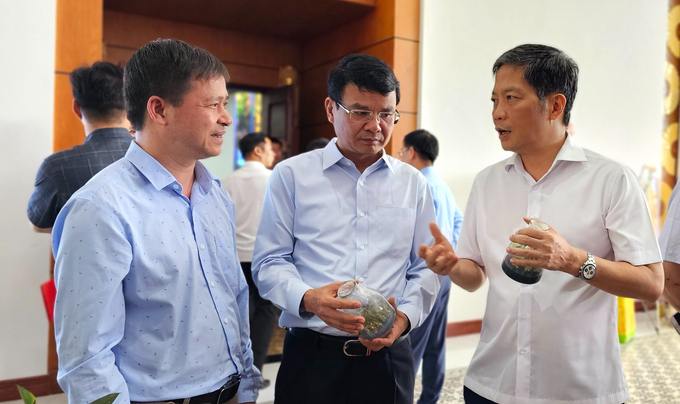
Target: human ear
156,107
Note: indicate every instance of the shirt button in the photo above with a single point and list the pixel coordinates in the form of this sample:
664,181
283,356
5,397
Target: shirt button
361,279
523,351
361,247
202,246
524,316
212,283
362,214
176,186
361,183
225,320
348,163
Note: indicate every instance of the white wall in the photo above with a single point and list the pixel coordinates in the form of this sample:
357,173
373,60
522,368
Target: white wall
619,47
27,40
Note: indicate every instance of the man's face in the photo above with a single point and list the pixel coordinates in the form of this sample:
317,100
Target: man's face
267,153
356,139
517,114
277,153
197,126
404,154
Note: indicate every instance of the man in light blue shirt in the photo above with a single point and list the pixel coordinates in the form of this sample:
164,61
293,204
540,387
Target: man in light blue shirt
420,149
151,302
347,212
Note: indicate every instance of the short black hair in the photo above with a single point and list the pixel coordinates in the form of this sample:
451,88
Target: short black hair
548,70
318,143
165,68
276,140
249,142
98,90
367,72
424,143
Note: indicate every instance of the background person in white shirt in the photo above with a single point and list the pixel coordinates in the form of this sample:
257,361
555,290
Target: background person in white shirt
669,241
554,341
246,187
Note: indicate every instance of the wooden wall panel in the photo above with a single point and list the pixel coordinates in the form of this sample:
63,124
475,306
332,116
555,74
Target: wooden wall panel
127,31
78,43
407,19
405,66
68,130
79,33
353,37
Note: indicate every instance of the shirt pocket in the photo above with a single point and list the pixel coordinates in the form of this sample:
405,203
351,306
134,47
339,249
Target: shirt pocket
396,226
226,263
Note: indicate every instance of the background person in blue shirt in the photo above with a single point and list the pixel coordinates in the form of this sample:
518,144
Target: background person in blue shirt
347,212
151,301
420,149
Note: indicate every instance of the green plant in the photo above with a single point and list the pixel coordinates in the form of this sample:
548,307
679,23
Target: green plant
29,398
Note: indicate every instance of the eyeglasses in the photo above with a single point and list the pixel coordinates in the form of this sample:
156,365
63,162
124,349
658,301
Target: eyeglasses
363,116
402,151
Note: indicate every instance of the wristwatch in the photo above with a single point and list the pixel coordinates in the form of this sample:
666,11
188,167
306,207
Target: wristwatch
588,269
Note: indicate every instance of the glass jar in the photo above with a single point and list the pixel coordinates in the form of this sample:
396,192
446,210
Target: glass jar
524,274
375,309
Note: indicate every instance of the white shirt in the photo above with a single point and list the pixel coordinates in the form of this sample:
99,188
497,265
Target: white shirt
323,221
669,240
246,187
555,341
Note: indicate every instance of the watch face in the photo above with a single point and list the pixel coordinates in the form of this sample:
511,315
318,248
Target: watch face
589,272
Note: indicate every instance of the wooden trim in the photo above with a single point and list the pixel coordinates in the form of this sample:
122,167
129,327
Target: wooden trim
463,328
38,385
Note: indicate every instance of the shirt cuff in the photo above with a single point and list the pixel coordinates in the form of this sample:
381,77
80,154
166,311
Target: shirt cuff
249,389
412,313
294,300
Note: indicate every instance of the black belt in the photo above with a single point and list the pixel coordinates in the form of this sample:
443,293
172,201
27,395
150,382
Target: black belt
219,396
342,346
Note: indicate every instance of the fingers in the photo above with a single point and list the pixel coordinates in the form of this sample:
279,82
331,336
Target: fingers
437,234
524,252
343,304
526,240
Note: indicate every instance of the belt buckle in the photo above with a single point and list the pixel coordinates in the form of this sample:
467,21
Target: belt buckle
344,347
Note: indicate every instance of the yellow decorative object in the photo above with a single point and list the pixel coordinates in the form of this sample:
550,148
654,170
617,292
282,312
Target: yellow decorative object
670,136
670,102
672,35
626,319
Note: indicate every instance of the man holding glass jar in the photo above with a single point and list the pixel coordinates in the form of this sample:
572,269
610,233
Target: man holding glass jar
554,341
347,212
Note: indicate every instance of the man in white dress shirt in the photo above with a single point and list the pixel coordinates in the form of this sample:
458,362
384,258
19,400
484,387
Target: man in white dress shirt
554,341
246,187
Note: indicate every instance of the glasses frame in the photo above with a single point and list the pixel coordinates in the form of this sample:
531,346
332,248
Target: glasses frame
351,113
403,150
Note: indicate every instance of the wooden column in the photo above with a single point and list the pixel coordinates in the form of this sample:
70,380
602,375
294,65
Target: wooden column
79,43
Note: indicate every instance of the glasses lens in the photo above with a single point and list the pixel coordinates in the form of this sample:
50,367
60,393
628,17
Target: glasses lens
360,116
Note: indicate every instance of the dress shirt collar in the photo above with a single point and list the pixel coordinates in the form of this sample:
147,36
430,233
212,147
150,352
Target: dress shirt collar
158,175
428,170
254,164
331,155
107,133
568,152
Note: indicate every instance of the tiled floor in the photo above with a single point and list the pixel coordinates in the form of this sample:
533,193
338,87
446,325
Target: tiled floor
651,363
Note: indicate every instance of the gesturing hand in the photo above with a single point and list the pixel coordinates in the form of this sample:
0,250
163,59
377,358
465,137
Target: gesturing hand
549,250
440,258
324,303
400,325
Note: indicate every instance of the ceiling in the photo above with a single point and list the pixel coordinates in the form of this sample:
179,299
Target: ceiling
294,19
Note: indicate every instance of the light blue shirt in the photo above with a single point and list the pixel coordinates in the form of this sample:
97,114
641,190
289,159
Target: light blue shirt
449,216
323,221
151,301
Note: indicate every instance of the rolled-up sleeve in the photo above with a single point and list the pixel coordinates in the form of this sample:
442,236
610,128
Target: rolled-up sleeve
92,257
